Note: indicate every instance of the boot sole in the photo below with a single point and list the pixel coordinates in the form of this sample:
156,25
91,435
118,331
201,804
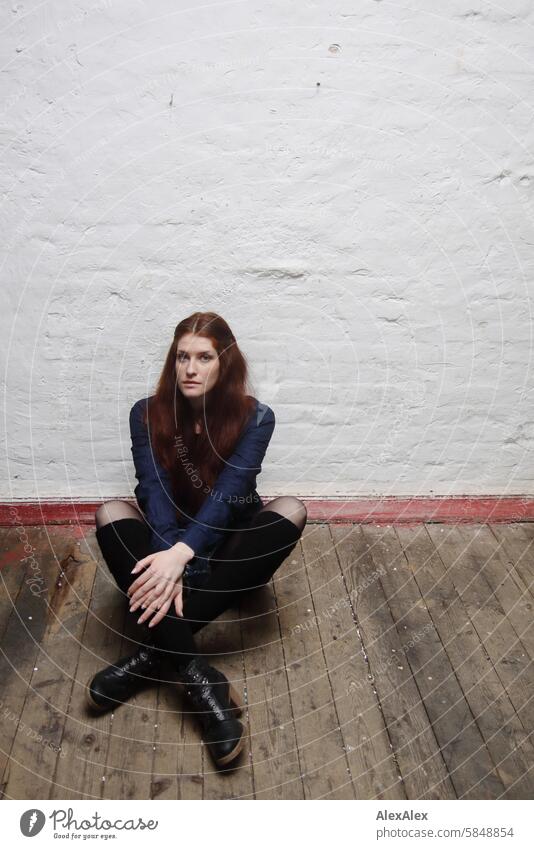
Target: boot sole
235,699
234,753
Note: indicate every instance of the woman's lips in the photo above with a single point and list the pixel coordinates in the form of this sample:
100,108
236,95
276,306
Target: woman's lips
191,383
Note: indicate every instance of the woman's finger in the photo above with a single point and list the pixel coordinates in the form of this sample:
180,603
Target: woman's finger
146,614
178,599
163,587
154,603
141,564
141,580
138,597
147,587
145,600
160,613
144,580
159,597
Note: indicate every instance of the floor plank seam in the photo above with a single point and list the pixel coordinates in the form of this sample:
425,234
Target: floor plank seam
488,658
482,641
289,691
367,662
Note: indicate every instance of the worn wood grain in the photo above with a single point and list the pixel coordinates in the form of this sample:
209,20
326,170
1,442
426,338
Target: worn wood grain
29,624
86,735
372,767
320,742
468,761
468,568
490,704
414,743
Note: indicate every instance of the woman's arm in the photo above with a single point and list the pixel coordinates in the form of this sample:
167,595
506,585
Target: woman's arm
236,481
153,492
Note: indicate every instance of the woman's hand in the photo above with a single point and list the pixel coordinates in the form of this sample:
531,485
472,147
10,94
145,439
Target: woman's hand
162,610
160,583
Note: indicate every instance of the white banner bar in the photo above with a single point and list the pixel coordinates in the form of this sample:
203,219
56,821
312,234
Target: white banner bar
274,825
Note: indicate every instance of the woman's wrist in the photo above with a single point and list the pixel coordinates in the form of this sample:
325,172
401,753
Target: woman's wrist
183,548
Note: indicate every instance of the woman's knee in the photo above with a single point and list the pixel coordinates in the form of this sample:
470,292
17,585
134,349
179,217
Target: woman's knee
112,511
291,508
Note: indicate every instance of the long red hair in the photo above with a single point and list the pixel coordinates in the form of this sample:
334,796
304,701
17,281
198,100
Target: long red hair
195,460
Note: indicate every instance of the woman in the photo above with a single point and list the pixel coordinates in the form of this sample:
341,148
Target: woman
205,536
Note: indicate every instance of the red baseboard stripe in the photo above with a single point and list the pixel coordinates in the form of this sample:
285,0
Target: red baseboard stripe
391,510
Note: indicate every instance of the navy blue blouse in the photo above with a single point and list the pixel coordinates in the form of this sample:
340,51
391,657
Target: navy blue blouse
232,499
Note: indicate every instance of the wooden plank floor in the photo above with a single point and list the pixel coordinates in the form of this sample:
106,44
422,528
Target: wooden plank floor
383,662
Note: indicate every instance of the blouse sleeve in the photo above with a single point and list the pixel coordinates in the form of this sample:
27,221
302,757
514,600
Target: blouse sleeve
236,481
154,491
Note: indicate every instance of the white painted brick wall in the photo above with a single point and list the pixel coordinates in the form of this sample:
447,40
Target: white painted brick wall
369,239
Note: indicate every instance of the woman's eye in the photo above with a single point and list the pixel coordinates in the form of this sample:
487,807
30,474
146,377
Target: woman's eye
205,357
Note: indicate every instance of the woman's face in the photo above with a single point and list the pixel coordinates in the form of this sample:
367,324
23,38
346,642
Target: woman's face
197,365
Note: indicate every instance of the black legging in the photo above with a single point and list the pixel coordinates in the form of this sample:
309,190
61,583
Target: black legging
246,559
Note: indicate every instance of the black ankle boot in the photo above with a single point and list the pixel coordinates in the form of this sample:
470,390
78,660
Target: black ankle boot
217,705
120,681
